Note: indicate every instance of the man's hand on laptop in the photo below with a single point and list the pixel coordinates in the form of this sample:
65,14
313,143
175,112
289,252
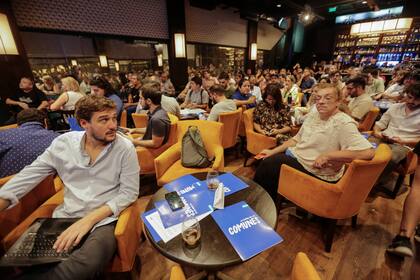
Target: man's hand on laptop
73,234
4,203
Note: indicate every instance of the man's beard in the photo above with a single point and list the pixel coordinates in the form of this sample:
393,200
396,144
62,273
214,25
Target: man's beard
103,140
146,107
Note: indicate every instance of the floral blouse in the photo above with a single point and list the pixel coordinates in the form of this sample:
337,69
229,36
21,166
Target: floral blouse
268,118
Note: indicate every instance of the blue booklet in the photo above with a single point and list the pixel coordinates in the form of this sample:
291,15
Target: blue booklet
197,202
187,183
183,184
245,230
232,184
152,231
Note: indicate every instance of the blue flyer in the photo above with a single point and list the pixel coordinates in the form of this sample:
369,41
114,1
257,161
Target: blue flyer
196,203
245,230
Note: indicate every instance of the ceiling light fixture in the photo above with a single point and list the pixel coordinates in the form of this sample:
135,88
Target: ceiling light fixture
364,2
307,16
278,5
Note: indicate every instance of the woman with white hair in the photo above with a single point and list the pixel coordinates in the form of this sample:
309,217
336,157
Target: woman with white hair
71,94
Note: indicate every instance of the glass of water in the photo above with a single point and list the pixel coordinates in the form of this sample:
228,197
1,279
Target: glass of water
191,232
212,179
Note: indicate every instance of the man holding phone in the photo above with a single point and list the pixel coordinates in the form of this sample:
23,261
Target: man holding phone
100,173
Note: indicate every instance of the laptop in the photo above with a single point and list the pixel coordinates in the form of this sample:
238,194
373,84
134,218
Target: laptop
35,245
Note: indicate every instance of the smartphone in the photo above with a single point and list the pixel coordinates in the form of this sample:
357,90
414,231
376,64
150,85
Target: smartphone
174,201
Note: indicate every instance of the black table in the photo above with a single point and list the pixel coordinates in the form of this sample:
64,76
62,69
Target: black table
215,252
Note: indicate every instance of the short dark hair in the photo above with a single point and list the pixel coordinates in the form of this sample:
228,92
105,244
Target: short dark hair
224,76
197,80
102,83
358,81
413,90
149,91
86,106
31,115
218,90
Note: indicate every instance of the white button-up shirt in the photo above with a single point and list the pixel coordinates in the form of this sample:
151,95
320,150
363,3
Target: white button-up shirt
113,179
396,122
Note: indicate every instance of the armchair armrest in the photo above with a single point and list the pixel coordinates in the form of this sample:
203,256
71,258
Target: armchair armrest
127,233
308,192
167,158
256,142
218,163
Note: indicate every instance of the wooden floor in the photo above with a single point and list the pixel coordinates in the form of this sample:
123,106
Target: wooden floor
356,253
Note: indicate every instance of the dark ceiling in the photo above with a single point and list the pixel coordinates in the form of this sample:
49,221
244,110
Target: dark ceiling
252,9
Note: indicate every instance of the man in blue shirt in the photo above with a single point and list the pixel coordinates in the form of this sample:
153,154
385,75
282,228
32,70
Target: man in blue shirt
21,146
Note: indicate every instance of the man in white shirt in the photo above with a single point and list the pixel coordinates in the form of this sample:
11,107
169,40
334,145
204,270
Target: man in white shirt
400,127
100,173
255,89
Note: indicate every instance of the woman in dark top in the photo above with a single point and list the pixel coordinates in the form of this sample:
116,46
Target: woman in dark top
271,116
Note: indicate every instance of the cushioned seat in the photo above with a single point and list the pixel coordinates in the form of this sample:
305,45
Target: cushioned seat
341,200
168,165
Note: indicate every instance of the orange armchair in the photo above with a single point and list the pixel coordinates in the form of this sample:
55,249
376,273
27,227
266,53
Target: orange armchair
255,142
231,122
12,217
341,200
303,269
123,118
140,120
168,165
407,167
146,156
369,120
127,231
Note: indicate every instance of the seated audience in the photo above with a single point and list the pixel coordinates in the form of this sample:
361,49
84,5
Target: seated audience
208,80
375,84
48,86
100,173
301,113
395,88
71,94
27,96
224,81
243,96
85,85
272,116
21,146
222,104
306,82
169,104
158,125
290,91
401,244
255,89
360,102
101,87
335,78
196,97
166,85
400,127
326,141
